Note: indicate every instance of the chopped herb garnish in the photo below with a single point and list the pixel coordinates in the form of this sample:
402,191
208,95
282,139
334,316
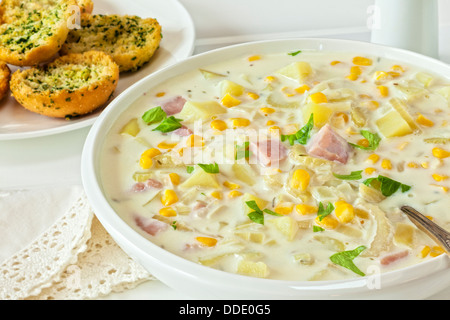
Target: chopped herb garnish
243,151
174,225
169,124
345,259
190,169
301,136
388,186
318,229
258,215
294,53
354,175
154,115
323,212
209,168
373,139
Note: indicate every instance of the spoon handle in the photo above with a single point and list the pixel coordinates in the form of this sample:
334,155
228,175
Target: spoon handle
438,234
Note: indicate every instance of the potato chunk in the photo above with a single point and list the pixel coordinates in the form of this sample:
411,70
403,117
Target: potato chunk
200,110
299,71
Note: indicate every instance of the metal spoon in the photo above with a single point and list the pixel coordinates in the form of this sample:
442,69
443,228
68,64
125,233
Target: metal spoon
439,235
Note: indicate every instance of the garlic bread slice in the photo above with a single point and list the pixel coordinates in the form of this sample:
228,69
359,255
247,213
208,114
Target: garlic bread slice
70,86
130,40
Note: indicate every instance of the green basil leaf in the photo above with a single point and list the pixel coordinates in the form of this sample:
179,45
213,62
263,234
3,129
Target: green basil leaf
154,115
257,217
318,229
323,212
301,136
294,53
373,138
354,175
345,259
209,168
190,169
243,151
388,186
252,205
169,124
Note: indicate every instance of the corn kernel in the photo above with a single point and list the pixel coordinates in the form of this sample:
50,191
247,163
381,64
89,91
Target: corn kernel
440,153
305,209
424,165
413,165
174,178
397,68
384,91
270,123
145,162
207,241
288,91
424,252
300,180
254,58
284,208
362,61
355,70
168,212
363,143
344,211
386,164
166,145
231,185
169,197
229,101
438,177
275,130
403,145
421,119
267,110
370,170
394,74
302,89
373,158
195,141
253,95
270,79
318,97
328,222
216,194
218,125
160,94
436,251
371,105
234,194
381,75
352,77
335,62
240,122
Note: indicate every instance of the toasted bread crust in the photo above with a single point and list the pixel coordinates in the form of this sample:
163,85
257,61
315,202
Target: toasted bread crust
72,85
5,77
130,40
35,36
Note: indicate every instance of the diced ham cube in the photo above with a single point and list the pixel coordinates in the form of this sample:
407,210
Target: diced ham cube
329,145
143,186
268,152
391,258
151,226
174,105
183,131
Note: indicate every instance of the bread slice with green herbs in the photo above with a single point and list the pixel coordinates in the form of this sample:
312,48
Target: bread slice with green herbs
130,40
70,86
35,36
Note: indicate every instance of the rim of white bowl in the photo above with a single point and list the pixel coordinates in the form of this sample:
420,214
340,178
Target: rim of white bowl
119,228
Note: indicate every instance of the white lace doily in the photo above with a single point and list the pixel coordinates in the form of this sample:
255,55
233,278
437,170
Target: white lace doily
75,258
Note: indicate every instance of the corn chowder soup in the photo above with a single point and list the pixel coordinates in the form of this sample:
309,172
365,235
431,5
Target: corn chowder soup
288,166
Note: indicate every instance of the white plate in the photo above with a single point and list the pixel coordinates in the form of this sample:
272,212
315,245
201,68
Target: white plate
178,43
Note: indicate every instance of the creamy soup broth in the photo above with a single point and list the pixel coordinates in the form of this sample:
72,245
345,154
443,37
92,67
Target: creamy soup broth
288,166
